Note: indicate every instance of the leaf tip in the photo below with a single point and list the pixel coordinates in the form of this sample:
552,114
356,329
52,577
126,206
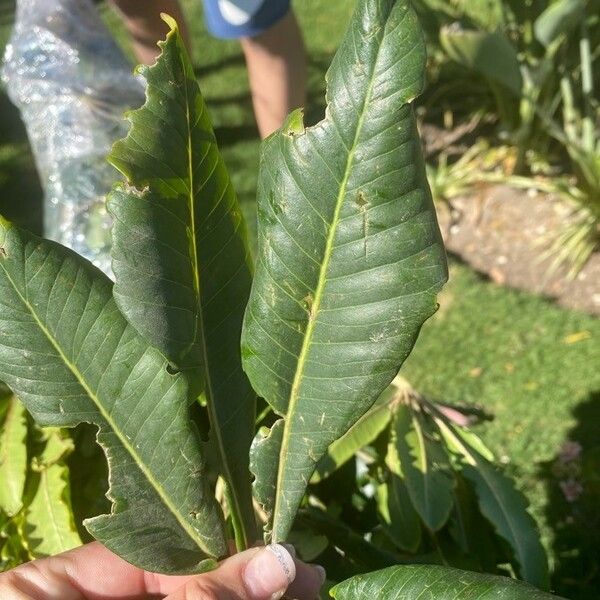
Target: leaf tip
170,21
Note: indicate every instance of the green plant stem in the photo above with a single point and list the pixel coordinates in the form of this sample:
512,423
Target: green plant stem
240,533
587,84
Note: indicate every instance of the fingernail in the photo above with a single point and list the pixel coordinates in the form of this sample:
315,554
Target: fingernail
268,575
322,573
290,549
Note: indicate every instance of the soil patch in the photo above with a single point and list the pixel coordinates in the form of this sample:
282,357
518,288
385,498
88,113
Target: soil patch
504,233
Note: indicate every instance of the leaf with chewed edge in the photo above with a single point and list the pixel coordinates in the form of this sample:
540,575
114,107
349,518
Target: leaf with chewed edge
350,255
181,263
70,356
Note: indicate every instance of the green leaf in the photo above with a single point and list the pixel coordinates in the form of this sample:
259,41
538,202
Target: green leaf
12,550
264,453
355,547
308,544
350,256
180,258
13,456
361,434
560,18
503,506
49,524
475,442
399,518
428,582
425,467
472,532
71,357
490,54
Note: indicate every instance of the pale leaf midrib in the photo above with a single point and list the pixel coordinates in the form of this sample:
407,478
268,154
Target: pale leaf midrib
191,207
44,482
294,394
194,535
199,326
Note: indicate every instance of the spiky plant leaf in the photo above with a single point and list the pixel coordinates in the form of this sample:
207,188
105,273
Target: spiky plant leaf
12,549
49,526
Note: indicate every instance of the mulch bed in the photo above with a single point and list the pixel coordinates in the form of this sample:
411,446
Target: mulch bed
504,234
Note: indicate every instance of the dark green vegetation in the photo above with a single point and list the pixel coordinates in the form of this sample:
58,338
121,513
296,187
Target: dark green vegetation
533,66
442,583
522,360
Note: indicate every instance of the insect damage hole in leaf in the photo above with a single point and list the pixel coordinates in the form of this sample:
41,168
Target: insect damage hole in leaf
172,370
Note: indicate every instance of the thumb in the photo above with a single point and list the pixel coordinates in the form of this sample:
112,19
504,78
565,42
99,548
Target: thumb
258,574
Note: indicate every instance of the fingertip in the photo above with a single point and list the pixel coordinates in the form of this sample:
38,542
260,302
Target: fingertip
269,573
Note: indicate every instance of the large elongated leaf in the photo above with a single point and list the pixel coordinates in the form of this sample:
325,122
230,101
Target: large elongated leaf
504,506
70,356
399,518
350,257
13,457
429,582
425,466
49,525
181,263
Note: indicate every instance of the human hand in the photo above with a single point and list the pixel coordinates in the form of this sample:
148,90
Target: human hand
92,572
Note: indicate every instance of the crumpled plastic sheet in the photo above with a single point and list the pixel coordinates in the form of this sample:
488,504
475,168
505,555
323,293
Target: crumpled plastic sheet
72,85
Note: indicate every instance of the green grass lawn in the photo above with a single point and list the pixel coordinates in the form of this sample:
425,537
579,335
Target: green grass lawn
532,366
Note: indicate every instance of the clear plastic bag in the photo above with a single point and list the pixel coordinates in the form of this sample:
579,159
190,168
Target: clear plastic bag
72,85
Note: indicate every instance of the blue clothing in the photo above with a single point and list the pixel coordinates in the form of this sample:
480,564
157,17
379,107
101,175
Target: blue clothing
243,18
